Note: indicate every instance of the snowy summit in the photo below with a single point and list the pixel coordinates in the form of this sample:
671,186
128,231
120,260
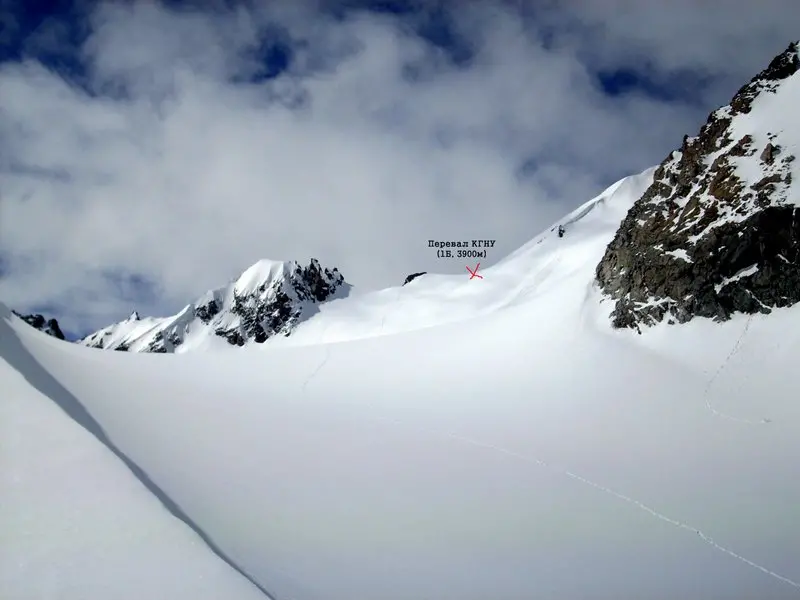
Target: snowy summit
270,298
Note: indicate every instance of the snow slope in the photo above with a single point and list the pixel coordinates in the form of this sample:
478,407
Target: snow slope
515,447
75,523
544,265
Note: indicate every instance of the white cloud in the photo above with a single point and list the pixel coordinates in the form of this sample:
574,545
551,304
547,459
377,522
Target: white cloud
183,178
729,40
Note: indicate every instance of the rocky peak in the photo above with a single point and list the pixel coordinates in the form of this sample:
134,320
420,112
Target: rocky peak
270,298
782,67
718,231
37,321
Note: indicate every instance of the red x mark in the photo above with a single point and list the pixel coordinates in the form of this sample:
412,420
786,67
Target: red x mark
475,272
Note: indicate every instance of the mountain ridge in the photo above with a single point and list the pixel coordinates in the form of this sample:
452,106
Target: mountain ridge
269,298
718,231
43,324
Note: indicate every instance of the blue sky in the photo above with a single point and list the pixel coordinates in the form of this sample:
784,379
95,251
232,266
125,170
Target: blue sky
151,151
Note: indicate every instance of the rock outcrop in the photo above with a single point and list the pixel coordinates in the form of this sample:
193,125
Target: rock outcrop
48,326
413,276
718,231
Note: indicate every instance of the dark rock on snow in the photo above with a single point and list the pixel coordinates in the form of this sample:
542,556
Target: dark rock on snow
413,276
276,310
701,242
48,326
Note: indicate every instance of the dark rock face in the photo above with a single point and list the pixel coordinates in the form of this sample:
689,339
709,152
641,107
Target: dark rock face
48,326
315,283
275,310
162,343
701,242
206,312
413,276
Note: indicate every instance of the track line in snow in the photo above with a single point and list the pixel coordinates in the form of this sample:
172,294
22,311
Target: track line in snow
706,392
396,300
579,478
322,363
640,505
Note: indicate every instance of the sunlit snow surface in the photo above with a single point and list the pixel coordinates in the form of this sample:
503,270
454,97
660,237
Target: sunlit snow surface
74,523
450,439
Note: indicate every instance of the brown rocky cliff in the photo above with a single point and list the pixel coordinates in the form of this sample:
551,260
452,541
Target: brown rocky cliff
702,241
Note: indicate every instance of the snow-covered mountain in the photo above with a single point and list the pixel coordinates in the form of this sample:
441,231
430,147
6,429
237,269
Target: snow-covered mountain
43,324
718,231
269,299
450,438
509,444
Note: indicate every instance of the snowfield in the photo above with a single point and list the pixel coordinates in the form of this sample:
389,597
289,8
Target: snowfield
74,523
450,439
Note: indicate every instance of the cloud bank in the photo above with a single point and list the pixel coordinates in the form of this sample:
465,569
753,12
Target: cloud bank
181,144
